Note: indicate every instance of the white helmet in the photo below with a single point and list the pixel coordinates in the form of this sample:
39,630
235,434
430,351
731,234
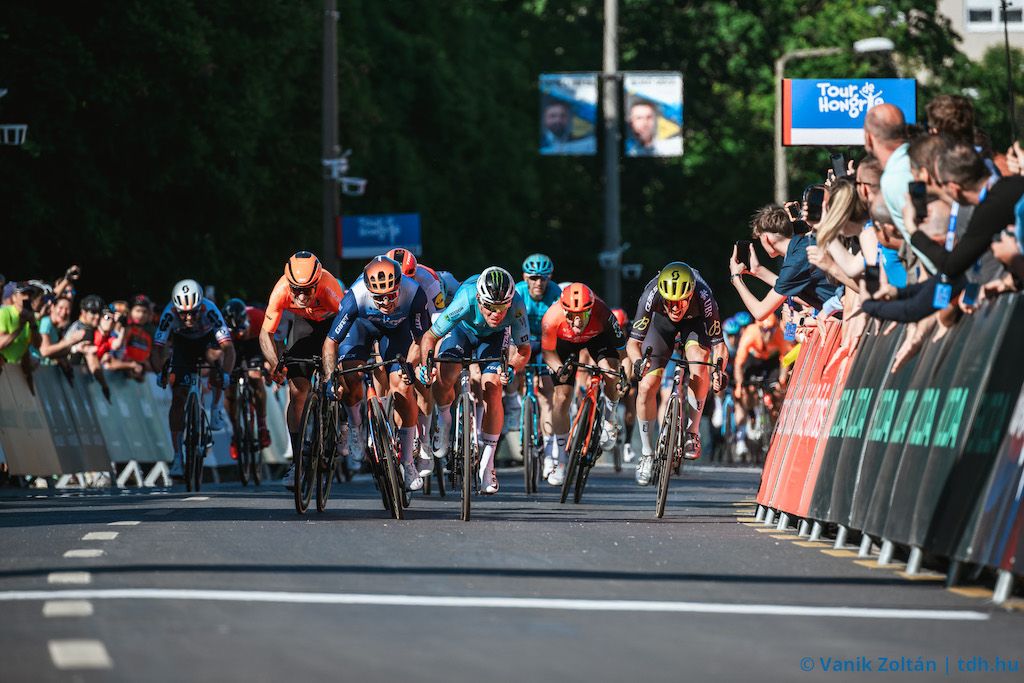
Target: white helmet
187,295
495,286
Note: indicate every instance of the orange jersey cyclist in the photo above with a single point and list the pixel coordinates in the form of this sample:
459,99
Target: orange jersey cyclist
676,302
579,320
385,308
197,331
759,354
313,296
486,316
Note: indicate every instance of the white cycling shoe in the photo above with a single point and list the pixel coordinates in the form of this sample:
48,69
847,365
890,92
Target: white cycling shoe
609,435
413,480
549,466
289,478
691,447
439,442
425,465
557,476
645,470
628,454
489,481
355,450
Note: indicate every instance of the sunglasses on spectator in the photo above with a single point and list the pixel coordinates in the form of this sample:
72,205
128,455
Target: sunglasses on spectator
384,299
496,308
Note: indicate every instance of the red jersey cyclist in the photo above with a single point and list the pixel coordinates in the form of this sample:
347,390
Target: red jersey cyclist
245,323
313,296
580,321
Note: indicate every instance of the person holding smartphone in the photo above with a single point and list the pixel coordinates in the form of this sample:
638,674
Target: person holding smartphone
18,328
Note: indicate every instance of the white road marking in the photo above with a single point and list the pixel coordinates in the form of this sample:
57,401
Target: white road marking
83,552
67,608
125,523
79,654
197,498
496,602
68,577
100,536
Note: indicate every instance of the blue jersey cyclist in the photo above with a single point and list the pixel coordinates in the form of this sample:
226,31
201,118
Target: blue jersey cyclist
485,317
389,309
539,292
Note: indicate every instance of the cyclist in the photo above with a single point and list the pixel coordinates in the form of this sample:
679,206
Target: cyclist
424,276
197,331
676,301
539,292
758,361
579,320
389,309
449,285
245,323
629,398
313,296
486,316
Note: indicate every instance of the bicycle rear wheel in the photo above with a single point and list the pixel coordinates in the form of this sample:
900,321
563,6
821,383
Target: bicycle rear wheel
306,460
389,461
581,428
665,453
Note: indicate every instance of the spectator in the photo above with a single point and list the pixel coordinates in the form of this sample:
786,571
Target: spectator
963,174
951,116
54,343
134,352
844,216
107,338
18,328
84,352
890,244
797,278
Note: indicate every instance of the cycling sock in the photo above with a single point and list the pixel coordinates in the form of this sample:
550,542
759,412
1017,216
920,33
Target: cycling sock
423,423
296,443
558,451
548,441
696,410
407,441
444,420
646,430
480,418
490,447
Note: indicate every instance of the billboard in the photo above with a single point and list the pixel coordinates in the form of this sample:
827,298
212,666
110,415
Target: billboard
830,111
653,109
568,114
362,237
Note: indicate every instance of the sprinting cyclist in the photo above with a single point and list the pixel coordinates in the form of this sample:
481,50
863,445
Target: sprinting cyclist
389,309
424,276
758,359
628,399
486,316
579,320
197,330
245,323
539,292
313,296
667,307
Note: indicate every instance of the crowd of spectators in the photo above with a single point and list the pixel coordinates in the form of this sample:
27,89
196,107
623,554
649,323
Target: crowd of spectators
38,327
923,229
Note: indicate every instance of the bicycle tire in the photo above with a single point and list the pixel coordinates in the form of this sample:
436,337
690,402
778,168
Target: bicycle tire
243,440
666,453
305,463
257,452
465,436
439,474
190,439
325,465
577,439
389,462
526,438
586,462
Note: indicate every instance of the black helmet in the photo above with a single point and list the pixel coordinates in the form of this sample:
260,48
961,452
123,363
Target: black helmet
234,314
93,304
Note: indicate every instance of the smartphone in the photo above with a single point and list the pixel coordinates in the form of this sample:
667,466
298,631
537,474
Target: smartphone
971,290
743,252
919,196
872,279
814,197
801,228
838,165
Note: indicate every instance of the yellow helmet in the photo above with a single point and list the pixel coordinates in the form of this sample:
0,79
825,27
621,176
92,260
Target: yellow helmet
676,281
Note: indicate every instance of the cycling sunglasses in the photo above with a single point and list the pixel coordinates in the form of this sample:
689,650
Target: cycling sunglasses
301,290
384,299
536,278
496,308
583,316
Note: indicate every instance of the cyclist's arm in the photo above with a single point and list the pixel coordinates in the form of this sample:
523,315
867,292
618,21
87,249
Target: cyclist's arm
633,350
552,360
520,356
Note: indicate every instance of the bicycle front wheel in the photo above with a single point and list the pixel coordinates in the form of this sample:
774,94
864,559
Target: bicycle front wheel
389,461
325,468
191,438
306,460
667,445
578,439
464,433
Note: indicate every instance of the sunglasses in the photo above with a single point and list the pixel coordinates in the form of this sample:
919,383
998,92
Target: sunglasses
496,308
536,278
583,317
298,291
384,299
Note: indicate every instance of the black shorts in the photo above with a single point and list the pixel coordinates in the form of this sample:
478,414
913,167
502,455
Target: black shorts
601,347
661,337
757,371
185,352
305,340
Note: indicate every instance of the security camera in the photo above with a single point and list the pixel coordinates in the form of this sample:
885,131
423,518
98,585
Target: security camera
353,187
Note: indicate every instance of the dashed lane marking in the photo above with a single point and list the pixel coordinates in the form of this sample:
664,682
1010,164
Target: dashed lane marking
69,577
79,654
197,498
126,522
83,553
67,608
496,602
100,536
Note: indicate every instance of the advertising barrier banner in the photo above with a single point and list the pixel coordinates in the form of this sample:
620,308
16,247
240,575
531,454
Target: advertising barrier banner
24,432
568,114
653,111
830,111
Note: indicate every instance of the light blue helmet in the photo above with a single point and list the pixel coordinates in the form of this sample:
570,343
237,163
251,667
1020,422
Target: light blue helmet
743,319
538,264
731,326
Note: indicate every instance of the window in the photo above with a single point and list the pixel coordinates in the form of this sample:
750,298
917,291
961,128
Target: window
979,16
986,16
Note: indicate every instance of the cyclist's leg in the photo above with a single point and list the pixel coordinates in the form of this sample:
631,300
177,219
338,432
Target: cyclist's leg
355,350
393,344
605,348
305,339
184,354
700,381
543,389
554,470
455,345
494,411
660,338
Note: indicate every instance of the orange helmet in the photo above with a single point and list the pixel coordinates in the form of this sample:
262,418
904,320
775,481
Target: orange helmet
303,270
620,317
382,275
406,258
577,298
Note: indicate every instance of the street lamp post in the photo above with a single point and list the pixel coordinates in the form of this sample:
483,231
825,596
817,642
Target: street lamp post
865,46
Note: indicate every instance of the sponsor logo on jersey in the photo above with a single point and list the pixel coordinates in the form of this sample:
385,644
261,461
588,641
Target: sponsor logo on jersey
642,323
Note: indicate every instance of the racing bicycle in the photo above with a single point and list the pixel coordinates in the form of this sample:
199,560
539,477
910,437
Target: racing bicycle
530,429
250,454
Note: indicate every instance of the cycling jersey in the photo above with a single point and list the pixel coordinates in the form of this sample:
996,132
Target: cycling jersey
358,304
556,327
464,312
449,285
208,321
430,283
535,310
703,308
323,305
255,317
753,344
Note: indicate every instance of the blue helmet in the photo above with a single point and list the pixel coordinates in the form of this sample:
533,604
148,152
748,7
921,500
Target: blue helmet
743,319
538,264
731,326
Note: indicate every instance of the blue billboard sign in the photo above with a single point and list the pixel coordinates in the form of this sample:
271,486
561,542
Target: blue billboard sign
830,111
367,236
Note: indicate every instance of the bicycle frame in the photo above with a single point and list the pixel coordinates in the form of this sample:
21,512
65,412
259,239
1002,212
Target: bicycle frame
587,423
531,437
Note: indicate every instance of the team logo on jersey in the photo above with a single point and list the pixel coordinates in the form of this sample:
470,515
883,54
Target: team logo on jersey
714,329
642,323
439,300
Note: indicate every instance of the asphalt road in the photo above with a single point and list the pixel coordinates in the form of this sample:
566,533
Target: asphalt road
230,584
